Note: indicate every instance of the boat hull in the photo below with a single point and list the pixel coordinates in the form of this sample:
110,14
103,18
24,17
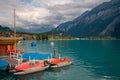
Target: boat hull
31,70
56,62
30,67
3,64
3,68
62,64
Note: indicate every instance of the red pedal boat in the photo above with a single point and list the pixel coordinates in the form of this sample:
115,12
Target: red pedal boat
30,67
56,62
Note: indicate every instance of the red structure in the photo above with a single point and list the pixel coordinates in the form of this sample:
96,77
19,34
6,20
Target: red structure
7,45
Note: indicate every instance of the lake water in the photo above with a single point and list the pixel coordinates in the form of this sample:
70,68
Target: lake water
92,60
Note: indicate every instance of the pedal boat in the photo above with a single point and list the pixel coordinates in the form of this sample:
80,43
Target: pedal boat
30,67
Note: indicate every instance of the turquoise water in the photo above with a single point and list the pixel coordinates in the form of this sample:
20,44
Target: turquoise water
92,60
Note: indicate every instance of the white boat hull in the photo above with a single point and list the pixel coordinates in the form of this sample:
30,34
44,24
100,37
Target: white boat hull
61,64
31,70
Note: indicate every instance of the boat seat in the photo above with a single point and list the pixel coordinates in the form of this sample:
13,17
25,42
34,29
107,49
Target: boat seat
31,63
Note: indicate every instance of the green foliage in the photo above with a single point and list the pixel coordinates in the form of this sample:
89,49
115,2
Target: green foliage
41,36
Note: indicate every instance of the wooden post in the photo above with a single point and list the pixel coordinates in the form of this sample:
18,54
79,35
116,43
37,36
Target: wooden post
14,31
54,54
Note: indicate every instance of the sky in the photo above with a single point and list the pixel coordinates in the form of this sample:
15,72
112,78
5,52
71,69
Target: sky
31,14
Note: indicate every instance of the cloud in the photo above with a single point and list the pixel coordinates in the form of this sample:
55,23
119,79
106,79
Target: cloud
34,15
43,12
49,3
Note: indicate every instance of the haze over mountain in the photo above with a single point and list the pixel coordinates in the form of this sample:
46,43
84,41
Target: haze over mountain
103,20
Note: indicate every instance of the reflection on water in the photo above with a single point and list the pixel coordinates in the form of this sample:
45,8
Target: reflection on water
39,75
58,70
5,76
33,76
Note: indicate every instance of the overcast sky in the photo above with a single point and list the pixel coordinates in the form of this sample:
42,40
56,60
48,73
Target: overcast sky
30,13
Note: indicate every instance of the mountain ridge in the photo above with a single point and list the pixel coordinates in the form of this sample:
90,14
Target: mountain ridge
95,22
4,28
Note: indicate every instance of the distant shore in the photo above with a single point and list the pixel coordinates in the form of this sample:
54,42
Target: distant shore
34,36
88,39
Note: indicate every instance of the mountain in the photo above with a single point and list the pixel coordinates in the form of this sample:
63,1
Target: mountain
103,20
36,29
3,28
